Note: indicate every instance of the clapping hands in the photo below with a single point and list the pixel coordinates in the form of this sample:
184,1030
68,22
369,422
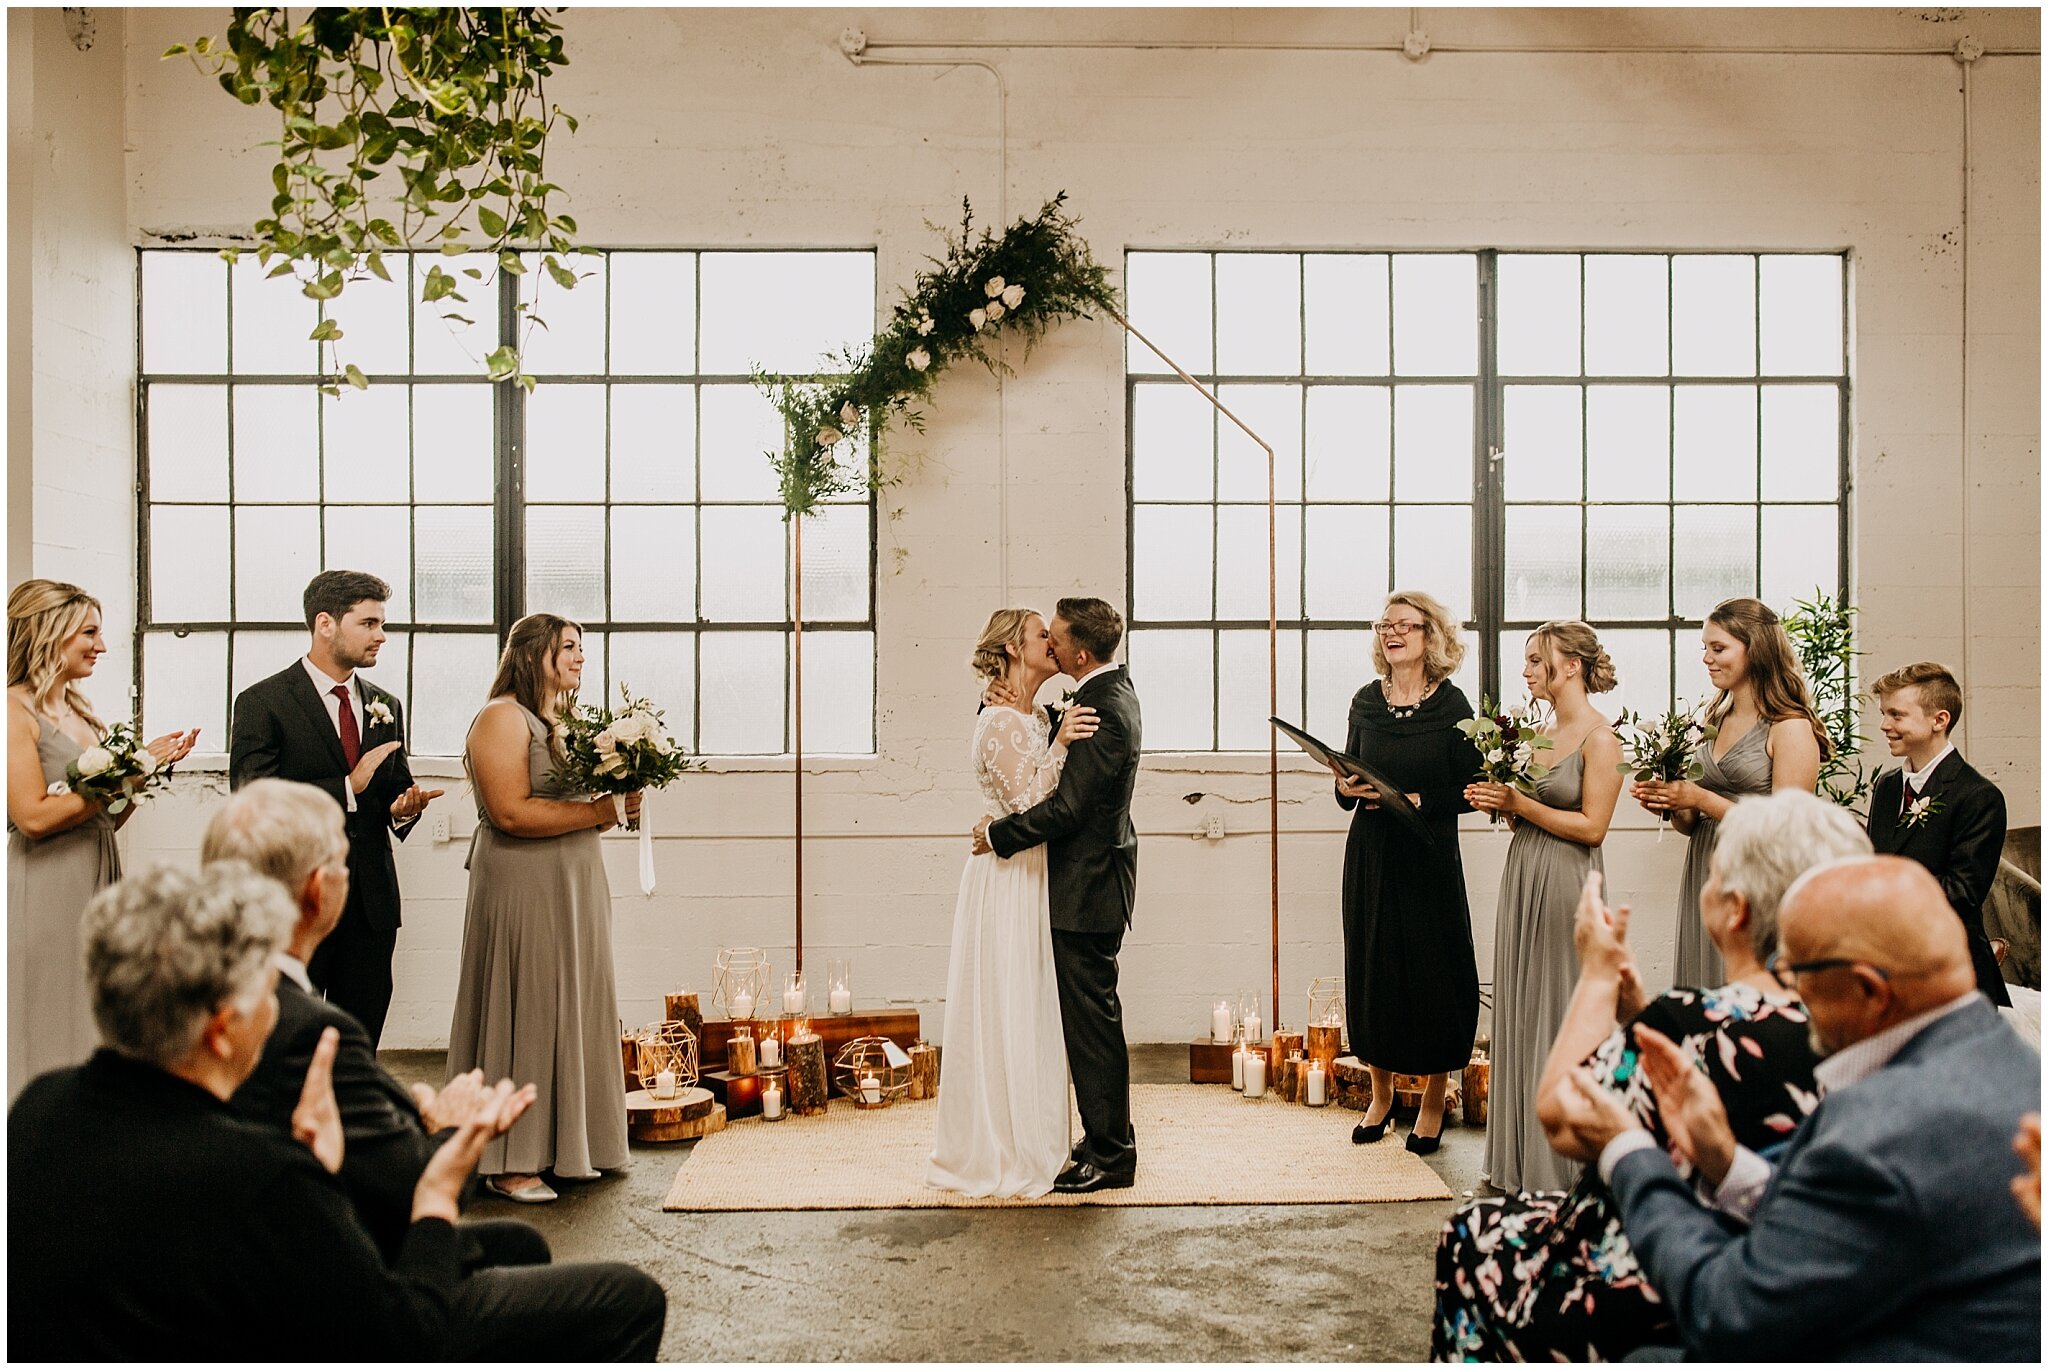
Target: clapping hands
172,748
1694,1117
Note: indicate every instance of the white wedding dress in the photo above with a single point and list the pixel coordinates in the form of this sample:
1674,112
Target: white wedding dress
1002,1126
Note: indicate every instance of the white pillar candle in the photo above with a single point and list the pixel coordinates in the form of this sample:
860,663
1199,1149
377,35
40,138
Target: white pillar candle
1253,1027
792,1001
664,1084
743,1005
1318,1085
1237,1068
771,1051
771,1101
870,1089
1254,1075
1219,1023
842,1000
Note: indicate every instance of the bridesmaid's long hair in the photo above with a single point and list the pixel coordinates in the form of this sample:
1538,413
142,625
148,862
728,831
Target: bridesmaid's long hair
523,669
42,615
1773,669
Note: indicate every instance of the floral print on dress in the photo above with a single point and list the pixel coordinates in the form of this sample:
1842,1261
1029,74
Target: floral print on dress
1551,1275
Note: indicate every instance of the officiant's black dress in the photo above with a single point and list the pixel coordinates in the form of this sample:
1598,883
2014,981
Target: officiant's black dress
1411,982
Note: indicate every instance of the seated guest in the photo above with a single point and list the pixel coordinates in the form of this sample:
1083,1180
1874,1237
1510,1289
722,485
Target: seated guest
1537,1276
1887,1228
146,1221
1936,808
294,834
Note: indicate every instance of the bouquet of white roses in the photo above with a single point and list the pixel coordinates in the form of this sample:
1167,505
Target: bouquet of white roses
119,771
1508,741
607,752
1665,748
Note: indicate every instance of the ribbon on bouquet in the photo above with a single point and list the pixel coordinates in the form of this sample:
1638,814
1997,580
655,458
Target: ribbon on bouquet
646,855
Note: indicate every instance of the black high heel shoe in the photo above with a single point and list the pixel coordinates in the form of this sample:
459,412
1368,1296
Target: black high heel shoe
1423,1146
1371,1132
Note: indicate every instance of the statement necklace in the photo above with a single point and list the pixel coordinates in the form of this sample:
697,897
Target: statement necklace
1404,711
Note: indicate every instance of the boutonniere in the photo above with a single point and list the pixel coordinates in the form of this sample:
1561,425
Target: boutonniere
1919,811
1066,699
379,712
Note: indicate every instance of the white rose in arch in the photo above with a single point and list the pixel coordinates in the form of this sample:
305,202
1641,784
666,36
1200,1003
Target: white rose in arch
1013,296
918,359
995,310
1495,757
849,417
95,761
925,325
828,435
978,318
994,288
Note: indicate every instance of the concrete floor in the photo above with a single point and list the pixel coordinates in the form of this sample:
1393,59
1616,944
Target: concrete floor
1330,1282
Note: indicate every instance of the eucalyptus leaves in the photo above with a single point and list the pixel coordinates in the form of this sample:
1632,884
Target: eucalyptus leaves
1036,274
451,99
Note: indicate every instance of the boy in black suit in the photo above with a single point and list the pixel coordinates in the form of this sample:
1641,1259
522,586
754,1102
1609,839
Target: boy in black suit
1936,808
319,722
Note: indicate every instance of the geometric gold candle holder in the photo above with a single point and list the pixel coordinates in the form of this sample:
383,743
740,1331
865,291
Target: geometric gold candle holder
741,987
863,1073
666,1047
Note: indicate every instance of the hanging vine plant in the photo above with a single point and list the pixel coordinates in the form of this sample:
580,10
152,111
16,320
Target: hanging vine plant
448,103
1037,273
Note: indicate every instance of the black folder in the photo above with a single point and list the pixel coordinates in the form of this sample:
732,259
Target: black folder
1392,799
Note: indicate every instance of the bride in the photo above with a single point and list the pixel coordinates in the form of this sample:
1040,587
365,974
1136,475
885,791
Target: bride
1002,1126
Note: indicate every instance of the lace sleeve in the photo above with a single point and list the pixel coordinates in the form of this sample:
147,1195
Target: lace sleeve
1015,760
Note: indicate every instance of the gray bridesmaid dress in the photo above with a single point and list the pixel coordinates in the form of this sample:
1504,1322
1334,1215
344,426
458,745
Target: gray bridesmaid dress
1745,770
49,881
1535,967
538,1000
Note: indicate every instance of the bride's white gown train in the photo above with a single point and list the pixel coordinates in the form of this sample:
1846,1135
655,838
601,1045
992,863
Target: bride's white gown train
1002,1124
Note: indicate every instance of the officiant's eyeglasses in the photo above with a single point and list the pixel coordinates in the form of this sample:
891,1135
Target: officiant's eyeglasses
1399,629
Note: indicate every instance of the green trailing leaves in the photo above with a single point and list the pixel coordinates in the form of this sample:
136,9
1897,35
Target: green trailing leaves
1823,632
1018,284
454,97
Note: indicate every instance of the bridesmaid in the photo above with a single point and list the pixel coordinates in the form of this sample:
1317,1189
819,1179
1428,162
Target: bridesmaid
1411,980
1558,833
537,1000
1770,739
60,847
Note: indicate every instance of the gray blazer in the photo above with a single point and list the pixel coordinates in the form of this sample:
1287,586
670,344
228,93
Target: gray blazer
1889,1231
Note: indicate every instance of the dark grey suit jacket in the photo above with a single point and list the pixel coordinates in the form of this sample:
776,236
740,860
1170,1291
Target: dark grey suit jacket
1889,1231
1960,841
1085,824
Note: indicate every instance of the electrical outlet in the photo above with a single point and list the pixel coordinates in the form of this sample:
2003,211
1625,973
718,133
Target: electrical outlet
437,827
1212,827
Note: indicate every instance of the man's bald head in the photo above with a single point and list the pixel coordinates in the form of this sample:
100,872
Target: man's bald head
1887,915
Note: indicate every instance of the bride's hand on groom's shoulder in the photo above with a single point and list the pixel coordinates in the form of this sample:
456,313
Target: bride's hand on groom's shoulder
1078,722
999,695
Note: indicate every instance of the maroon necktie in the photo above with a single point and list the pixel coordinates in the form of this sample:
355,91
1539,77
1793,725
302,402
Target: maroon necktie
1911,796
351,740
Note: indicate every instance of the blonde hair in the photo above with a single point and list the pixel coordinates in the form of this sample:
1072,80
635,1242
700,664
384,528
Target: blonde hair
1442,653
1005,629
1577,641
42,615
1773,667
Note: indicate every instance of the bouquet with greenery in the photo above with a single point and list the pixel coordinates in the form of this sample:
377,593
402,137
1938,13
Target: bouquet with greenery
119,771
620,752
1664,748
1508,741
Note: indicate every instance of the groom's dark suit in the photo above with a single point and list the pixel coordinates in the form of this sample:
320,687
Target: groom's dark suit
282,729
1092,853
1959,841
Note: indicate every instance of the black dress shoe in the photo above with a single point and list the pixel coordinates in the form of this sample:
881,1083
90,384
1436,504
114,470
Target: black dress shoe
1422,1145
1086,1179
1371,1132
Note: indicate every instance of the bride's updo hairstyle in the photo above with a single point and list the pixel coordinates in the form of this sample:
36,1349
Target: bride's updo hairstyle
1574,640
1005,629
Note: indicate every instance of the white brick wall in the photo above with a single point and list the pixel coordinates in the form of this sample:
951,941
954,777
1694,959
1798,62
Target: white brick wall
706,128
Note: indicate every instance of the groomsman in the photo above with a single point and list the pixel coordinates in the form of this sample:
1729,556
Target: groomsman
1936,808
319,722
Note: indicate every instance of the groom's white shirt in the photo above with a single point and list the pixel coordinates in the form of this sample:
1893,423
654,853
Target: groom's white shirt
1112,666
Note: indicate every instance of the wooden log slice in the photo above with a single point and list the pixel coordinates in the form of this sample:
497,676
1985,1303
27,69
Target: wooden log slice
689,1106
1478,1086
682,1007
1325,1044
1286,1042
924,1071
1351,1084
714,1121
810,1088
629,1051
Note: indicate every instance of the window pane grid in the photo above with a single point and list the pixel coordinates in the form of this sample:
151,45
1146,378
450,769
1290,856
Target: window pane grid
604,548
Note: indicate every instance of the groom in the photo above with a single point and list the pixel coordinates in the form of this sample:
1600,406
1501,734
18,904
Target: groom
1092,852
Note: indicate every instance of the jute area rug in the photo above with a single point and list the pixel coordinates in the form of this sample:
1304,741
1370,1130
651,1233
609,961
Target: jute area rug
1197,1144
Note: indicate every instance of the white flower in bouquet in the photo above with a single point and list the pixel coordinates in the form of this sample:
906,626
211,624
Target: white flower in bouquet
606,741
995,310
829,436
146,759
1013,295
849,417
57,787
925,324
994,288
978,318
95,761
1524,753
633,727
1495,757
918,359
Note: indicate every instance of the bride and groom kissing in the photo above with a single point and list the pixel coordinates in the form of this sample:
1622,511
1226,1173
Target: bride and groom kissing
1044,904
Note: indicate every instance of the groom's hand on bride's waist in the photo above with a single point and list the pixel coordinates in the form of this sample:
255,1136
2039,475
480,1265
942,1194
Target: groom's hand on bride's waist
981,846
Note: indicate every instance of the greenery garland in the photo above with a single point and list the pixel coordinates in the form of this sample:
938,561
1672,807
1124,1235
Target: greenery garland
451,99
1037,274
